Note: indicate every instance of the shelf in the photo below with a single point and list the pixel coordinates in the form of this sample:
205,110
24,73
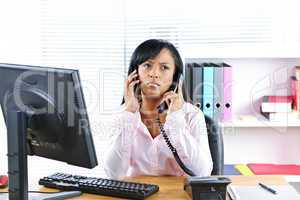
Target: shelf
242,52
258,123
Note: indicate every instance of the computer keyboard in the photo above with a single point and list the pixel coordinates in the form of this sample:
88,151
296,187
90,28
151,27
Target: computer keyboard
108,187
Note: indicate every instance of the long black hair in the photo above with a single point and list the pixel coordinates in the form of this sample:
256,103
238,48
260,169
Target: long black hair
149,49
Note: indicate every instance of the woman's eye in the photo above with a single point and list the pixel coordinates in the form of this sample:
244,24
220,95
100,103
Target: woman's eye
165,67
146,65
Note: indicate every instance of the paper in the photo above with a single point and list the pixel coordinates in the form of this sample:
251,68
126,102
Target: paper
284,192
295,185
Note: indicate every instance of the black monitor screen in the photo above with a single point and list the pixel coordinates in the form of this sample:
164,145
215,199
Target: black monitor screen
52,98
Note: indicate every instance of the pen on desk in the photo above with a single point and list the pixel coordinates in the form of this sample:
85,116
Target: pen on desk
267,188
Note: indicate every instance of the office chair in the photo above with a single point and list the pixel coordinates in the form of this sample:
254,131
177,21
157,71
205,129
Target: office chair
215,140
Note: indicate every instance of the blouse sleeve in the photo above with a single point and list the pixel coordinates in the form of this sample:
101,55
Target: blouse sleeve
117,159
189,137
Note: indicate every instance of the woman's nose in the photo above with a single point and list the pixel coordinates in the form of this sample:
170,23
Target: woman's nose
153,76
154,73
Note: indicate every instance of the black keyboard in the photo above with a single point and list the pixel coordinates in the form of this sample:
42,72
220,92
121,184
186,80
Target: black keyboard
108,187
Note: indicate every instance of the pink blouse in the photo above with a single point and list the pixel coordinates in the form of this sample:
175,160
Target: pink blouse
134,152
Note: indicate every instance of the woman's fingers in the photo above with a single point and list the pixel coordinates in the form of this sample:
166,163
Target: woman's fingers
132,75
180,86
131,86
168,97
129,79
170,93
131,101
180,93
133,83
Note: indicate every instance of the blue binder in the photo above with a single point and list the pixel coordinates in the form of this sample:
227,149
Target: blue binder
218,92
208,90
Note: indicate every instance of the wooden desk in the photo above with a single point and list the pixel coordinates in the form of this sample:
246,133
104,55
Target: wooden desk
172,187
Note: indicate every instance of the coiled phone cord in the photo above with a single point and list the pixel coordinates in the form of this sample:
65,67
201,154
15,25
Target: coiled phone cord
173,149
175,154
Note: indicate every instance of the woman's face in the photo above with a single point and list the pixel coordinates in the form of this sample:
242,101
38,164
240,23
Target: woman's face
156,75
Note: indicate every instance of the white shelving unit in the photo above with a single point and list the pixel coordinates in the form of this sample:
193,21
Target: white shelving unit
254,139
237,123
253,78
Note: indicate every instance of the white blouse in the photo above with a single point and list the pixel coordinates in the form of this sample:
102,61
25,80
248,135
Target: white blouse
134,152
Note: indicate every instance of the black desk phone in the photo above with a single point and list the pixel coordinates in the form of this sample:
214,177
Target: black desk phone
206,188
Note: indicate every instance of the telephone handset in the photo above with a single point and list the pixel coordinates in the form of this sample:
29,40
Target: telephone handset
137,91
164,106
161,108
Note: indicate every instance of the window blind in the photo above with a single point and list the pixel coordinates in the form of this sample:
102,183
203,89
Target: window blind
207,28
88,35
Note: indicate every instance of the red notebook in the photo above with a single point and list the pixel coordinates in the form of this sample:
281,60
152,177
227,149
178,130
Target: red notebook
276,103
295,91
260,169
278,99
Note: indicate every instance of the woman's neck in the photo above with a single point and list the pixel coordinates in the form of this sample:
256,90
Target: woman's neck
148,108
149,115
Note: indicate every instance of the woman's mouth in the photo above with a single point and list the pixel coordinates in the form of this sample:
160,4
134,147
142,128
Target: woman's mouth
153,84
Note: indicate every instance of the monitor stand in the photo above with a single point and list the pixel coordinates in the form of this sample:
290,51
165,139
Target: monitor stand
47,196
17,161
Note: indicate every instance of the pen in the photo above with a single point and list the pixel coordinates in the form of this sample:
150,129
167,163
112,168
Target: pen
267,188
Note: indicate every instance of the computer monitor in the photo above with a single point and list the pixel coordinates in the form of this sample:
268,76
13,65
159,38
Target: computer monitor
45,115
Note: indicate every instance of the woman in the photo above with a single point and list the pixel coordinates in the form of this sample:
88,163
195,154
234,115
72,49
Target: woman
138,147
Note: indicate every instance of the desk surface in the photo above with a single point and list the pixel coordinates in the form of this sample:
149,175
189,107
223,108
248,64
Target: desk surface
172,187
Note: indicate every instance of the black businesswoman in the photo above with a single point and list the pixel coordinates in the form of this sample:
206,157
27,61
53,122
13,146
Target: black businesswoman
138,146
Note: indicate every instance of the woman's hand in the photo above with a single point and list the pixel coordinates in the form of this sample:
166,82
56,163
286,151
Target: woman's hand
131,102
174,99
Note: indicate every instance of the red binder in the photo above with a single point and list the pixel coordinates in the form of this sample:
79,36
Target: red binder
295,91
260,169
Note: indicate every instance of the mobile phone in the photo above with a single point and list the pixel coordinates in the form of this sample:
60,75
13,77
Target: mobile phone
164,106
137,89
